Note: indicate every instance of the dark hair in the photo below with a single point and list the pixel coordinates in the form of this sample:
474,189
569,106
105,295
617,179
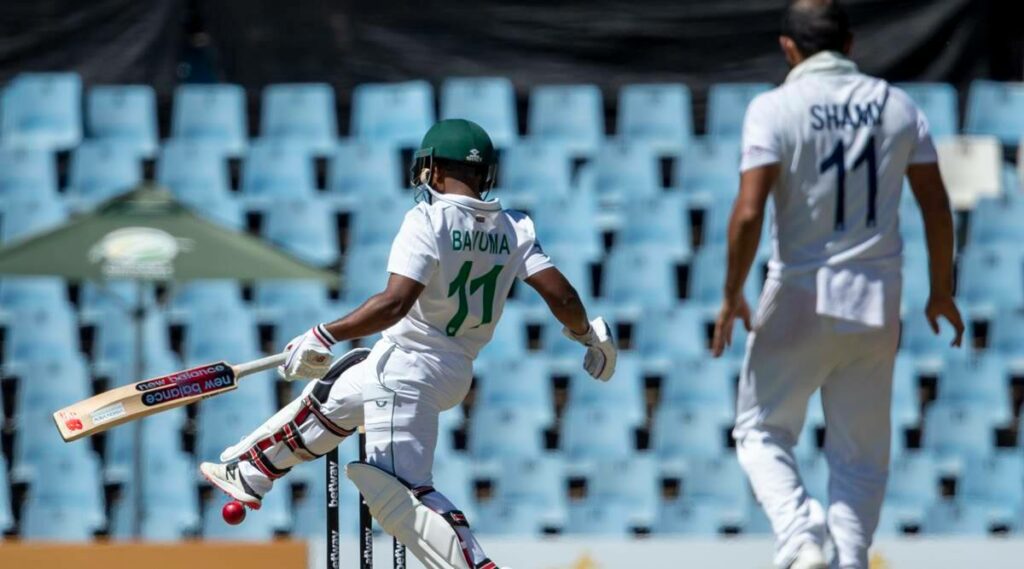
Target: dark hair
816,25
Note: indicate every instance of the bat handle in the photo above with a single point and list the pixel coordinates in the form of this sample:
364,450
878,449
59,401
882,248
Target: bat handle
255,366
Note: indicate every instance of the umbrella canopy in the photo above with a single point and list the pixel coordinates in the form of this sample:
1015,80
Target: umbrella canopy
147,235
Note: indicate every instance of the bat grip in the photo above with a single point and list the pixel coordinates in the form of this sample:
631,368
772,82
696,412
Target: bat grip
259,365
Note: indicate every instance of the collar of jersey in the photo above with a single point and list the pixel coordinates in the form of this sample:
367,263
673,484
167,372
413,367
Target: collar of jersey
823,63
466,201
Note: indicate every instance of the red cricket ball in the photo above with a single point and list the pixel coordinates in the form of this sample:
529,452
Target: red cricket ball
233,513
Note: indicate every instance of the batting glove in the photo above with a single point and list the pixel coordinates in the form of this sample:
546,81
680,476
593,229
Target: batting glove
308,356
601,351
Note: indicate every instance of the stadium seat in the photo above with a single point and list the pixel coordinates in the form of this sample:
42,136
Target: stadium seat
310,511
1006,334
510,431
6,516
301,113
359,168
956,518
916,277
939,103
537,482
996,221
281,294
715,497
365,272
170,498
955,432
56,522
117,294
23,217
710,383
28,172
994,482
643,277
393,113
534,171
913,486
659,115
303,227
509,518
996,108
992,277
277,169
31,292
488,101
919,341
235,334
164,428
42,110
125,114
375,221
83,491
709,168
597,432
621,496
621,172
196,172
115,339
102,169
207,294
691,430
674,334
211,112
662,222
814,473
624,396
981,381
575,262
523,382
971,168
40,332
906,407
707,276
567,224
572,115
727,106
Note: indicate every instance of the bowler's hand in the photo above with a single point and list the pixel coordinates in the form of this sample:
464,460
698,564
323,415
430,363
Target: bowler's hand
732,309
945,307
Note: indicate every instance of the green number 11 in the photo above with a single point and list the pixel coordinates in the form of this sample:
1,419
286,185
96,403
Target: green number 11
489,282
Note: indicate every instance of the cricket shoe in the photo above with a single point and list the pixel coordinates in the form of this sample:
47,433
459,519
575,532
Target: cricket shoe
809,557
230,481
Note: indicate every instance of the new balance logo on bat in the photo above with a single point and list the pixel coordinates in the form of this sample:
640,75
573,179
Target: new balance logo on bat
196,373
201,386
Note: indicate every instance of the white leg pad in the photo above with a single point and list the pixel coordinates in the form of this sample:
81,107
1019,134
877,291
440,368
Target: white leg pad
269,427
425,533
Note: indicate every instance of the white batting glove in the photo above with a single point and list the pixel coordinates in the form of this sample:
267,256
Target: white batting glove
308,355
601,351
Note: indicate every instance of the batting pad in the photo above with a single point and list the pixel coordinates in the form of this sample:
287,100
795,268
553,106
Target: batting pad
425,533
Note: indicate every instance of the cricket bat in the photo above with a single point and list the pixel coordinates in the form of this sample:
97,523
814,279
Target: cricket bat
141,399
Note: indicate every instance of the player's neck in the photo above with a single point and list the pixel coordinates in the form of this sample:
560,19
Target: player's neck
456,188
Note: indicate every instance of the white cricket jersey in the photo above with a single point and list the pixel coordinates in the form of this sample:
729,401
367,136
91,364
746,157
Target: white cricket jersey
843,141
467,253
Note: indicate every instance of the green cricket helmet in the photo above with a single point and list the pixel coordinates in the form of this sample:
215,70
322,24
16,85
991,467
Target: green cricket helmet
457,140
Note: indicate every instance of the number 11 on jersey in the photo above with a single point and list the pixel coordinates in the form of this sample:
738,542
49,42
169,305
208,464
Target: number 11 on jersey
837,160
489,282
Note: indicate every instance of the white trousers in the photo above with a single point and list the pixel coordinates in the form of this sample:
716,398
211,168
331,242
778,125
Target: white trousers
793,352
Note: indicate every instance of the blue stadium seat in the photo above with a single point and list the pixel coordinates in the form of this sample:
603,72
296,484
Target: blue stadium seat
621,496
996,221
27,172
452,477
508,432
508,518
911,222
686,517
534,171
279,295
488,101
114,344
715,497
510,340
1006,334
995,483
537,482
22,217
169,495
660,115
211,112
624,396
42,110
621,172
209,294
992,277
572,115
83,492
906,406
294,318
996,108
709,168
363,168
955,432
690,430
6,516
31,292
916,278
677,333
376,220
225,420
567,223
662,222
596,518
365,272
980,381
310,511
727,106
303,227
939,103
707,276
126,114
394,113
523,382
276,168
40,332
710,383
163,429
117,294
642,276
102,169
956,518
50,384
597,432
913,486
573,262
56,522
192,167
301,113
918,339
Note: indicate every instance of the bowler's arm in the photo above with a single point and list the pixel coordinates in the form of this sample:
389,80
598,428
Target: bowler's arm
380,311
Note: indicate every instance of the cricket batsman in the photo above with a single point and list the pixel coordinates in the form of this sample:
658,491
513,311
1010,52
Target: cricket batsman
451,267
831,146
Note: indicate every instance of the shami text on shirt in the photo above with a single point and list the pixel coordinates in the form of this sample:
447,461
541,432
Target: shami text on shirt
480,241
854,115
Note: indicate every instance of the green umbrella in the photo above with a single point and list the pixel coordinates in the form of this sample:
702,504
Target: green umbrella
147,236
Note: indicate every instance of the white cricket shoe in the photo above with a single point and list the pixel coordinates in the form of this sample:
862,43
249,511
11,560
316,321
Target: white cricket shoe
230,481
810,557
